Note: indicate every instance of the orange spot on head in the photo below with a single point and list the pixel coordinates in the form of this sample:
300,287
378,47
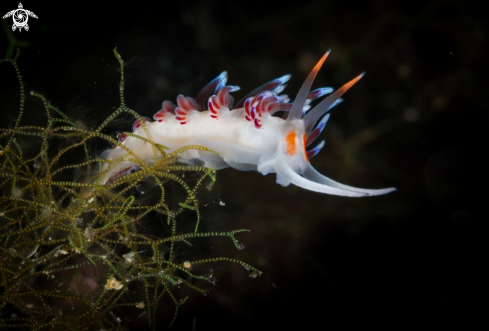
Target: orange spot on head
304,145
290,141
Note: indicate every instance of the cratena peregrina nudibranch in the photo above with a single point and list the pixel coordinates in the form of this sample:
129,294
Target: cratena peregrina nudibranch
244,137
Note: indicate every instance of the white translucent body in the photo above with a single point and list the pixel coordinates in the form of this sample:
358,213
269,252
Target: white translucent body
275,146
238,144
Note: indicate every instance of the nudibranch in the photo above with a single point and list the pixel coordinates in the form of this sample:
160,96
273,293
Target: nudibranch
246,137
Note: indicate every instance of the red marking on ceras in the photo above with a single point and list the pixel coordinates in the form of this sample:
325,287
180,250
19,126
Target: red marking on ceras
254,108
257,123
137,124
214,107
121,173
167,108
160,115
247,107
185,106
310,154
264,102
121,138
223,100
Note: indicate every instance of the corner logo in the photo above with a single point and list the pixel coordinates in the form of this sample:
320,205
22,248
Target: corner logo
20,17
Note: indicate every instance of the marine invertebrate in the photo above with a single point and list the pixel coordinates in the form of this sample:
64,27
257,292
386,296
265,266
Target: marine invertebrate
247,137
78,255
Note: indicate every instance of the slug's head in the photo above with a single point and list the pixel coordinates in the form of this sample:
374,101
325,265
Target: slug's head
291,160
290,150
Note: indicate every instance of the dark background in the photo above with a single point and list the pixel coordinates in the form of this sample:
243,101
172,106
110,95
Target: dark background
417,121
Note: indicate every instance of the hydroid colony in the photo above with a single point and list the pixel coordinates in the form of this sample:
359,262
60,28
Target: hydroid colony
78,254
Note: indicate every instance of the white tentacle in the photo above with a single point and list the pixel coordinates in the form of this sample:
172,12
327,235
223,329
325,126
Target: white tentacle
315,176
284,170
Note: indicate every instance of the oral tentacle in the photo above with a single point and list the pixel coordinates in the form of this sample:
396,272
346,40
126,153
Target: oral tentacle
287,174
313,175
